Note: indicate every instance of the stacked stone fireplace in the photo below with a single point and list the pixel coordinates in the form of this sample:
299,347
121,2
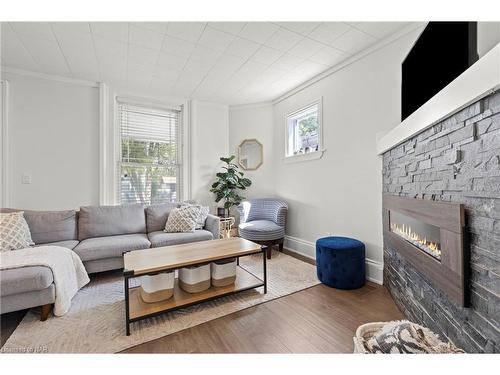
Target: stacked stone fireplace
456,160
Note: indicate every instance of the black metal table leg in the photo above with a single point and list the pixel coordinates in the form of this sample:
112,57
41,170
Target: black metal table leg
127,314
264,261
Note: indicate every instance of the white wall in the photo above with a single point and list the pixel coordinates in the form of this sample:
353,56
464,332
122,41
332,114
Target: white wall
488,36
209,141
340,193
255,121
53,137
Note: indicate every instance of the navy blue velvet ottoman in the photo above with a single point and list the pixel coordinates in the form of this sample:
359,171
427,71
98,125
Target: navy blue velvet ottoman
340,262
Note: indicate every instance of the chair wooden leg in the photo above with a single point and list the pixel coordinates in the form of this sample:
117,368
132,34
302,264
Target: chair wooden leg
45,311
280,247
269,252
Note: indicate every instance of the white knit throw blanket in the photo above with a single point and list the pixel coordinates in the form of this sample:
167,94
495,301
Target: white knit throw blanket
66,266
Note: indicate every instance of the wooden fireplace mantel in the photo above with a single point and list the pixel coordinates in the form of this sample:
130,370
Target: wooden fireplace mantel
449,274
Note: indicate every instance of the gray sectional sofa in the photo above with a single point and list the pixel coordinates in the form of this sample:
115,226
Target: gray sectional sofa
100,236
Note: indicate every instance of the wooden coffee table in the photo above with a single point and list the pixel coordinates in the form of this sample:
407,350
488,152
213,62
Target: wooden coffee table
156,260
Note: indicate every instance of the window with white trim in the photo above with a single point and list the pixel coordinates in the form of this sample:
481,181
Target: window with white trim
150,167
303,131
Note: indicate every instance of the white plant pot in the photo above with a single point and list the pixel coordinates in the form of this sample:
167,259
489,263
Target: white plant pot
223,272
195,279
157,287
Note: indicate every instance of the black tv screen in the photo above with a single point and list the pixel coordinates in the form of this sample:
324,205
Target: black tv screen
443,51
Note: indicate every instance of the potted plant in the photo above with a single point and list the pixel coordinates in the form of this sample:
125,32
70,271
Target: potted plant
228,183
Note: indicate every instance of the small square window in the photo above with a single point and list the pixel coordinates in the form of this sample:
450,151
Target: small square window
303,134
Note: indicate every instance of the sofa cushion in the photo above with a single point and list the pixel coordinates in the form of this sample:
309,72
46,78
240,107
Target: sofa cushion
25,279
102,265
100,221
110,246
70,244
182,219
161,238
52,226
157,215
14,232
202,213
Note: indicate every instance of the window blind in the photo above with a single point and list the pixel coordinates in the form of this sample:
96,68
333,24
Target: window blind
150,164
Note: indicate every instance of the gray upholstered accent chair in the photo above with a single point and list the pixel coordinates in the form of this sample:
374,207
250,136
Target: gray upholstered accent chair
263,221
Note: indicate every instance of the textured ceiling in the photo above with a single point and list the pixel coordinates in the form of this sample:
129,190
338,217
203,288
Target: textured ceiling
227,62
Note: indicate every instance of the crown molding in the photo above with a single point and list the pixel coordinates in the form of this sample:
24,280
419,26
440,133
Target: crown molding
358,56
237,107
50,77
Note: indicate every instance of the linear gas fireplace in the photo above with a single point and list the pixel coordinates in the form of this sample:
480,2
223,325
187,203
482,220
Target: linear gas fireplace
431,236
425,236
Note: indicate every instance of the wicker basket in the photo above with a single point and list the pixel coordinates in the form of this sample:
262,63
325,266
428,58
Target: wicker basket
195,279
430,342
223,272
363,333
158,287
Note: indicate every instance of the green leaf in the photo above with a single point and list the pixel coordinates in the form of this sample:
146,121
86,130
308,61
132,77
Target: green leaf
246,182
229,182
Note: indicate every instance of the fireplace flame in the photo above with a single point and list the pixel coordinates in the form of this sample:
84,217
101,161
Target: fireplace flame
416,239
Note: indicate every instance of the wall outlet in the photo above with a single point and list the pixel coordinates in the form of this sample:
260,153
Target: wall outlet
26,178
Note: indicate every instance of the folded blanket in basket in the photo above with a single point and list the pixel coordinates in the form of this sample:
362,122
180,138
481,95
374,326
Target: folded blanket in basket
407,337
67,269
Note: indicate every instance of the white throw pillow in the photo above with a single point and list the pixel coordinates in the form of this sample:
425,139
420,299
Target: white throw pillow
182,220
202,214
14,231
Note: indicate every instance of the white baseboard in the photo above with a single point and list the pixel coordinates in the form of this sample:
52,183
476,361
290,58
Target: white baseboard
374,269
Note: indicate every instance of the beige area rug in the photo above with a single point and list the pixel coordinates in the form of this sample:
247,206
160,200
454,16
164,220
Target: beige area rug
96,320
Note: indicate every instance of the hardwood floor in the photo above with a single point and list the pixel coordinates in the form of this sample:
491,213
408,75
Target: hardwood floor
9,322
316,320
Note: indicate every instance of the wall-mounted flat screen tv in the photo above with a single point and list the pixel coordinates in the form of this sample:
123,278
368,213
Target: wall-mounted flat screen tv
443,51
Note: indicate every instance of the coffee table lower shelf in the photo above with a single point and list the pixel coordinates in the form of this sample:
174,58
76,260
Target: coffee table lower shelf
138,309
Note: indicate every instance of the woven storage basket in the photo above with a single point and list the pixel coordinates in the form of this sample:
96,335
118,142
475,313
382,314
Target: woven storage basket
363,333
158,287
195,279
428,342
223,272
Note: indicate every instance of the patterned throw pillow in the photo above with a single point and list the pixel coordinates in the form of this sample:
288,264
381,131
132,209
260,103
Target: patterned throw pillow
202,214
182,220
14,231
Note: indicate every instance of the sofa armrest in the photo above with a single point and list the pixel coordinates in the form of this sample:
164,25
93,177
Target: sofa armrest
212,224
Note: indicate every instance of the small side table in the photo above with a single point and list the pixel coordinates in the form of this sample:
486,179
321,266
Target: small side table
226,226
